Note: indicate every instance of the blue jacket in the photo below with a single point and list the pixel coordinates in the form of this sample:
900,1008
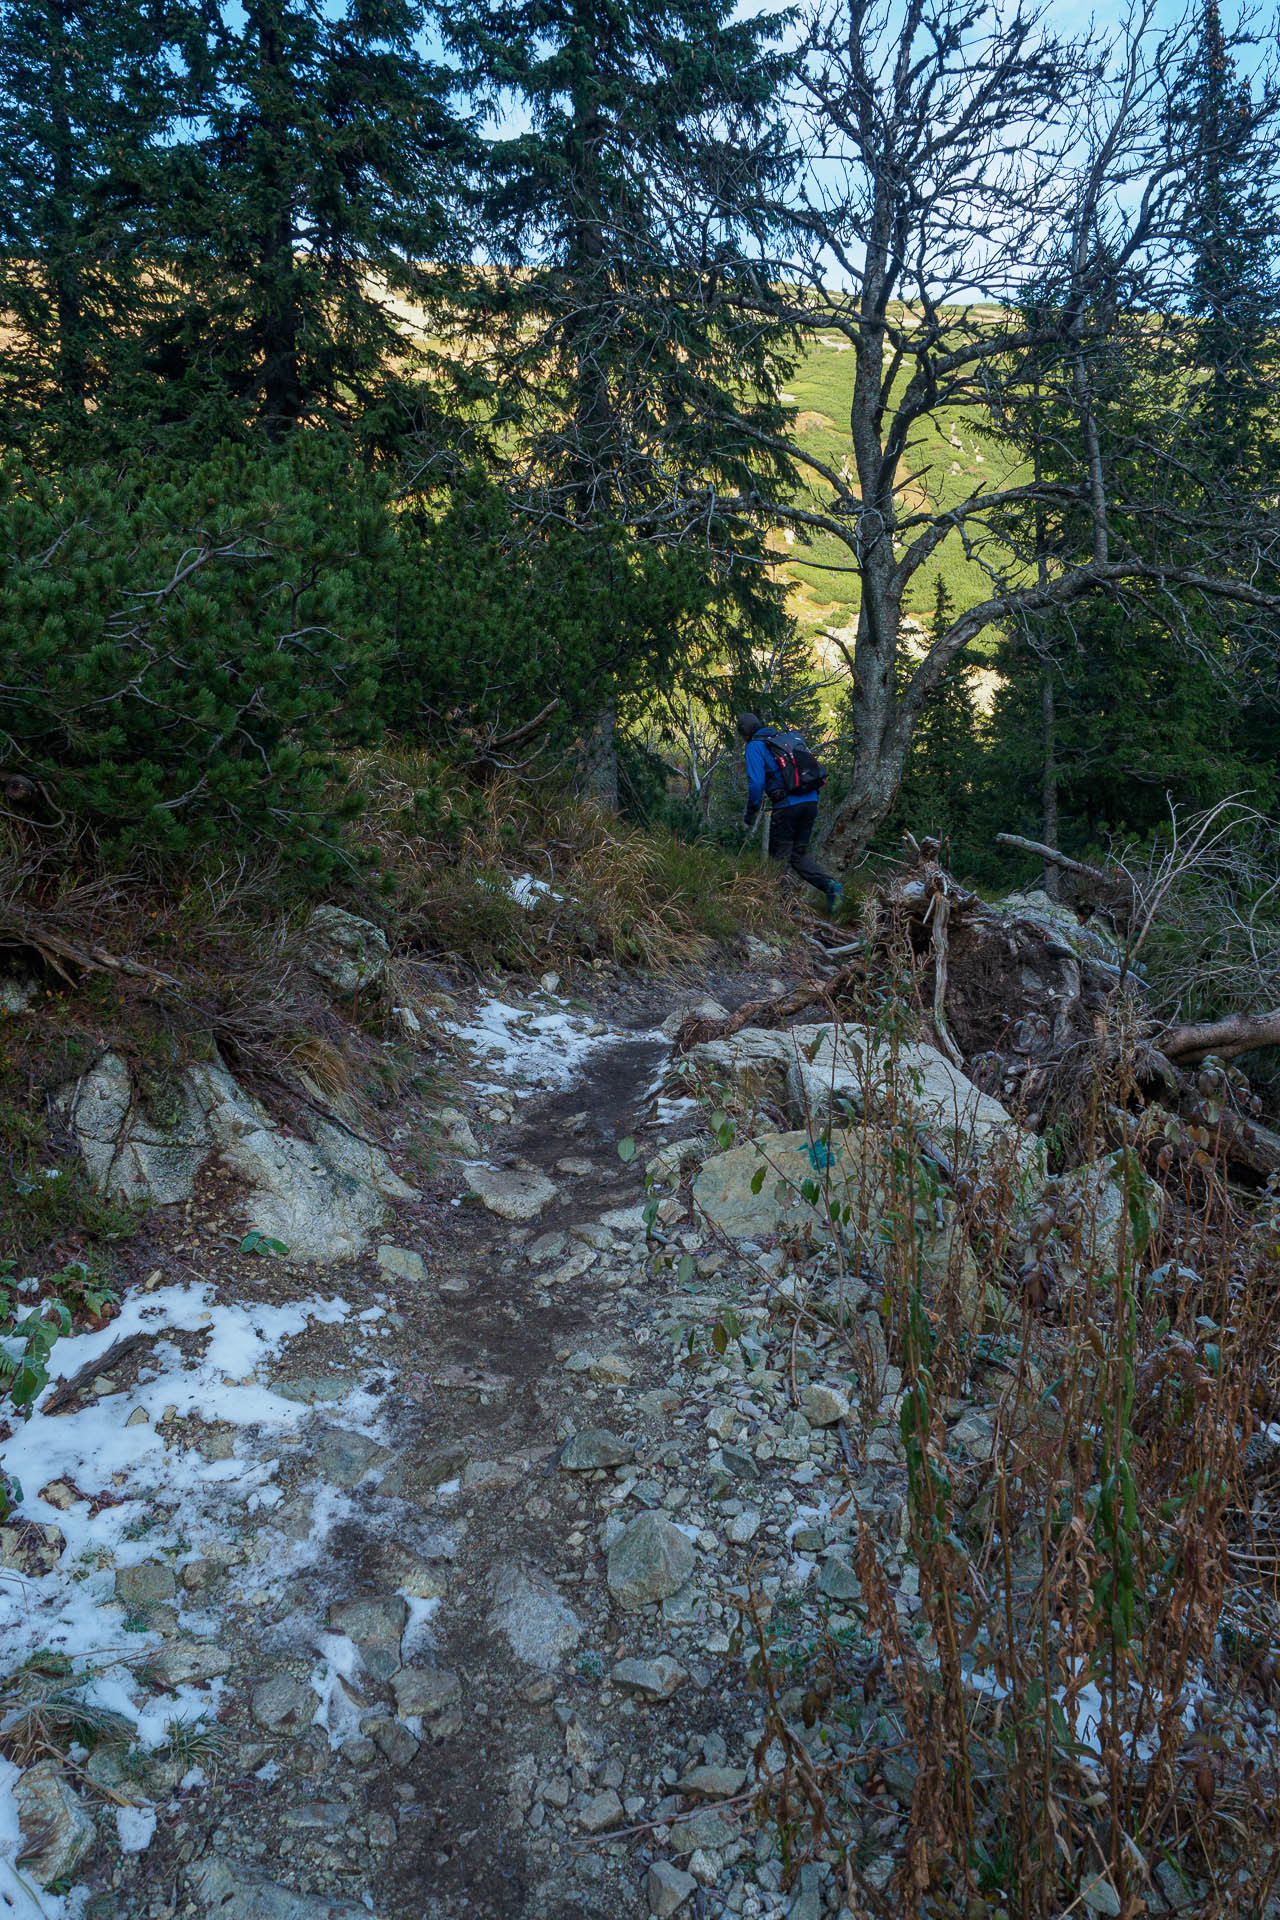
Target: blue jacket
759,761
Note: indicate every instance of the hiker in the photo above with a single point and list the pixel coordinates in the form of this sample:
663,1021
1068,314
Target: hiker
780,766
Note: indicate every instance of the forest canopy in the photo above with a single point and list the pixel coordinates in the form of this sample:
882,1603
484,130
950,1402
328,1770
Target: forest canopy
391,372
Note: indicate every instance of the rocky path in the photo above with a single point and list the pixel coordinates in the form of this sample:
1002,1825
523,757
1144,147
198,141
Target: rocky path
389,1657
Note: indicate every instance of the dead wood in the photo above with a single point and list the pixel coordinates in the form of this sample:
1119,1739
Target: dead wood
69,1390
1056,859
769,1013
1239,1033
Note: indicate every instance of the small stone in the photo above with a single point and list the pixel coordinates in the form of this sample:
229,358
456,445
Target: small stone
424,1691
740,1464
557,1791
60,1494
838,1581
744,1527
397,1745
650,1560
29,1548
597,1447
602,1811
657,1678
376,1627
577,1165
317,1816
528,1610
307,1389
667,1889
283,1705
512,1196
714,1783
610,1369
343,1458
56,1829
550,983
381,1831
357,1750
455,1131
138,1418
145,1584
403,1264
188,1663
824,1405
491,1476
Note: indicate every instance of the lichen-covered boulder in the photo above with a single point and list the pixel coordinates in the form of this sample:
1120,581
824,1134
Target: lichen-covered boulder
348,952
323,1198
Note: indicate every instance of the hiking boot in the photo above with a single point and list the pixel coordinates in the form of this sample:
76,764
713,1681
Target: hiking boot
835,894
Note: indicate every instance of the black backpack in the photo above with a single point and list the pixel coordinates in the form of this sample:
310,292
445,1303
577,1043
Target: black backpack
795,770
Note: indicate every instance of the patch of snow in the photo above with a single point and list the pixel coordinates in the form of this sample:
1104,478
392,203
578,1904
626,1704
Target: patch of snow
417,1633
136,1827
551,1047
527,891
160,1501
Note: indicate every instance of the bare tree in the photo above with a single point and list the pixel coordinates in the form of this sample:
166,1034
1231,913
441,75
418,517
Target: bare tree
991,219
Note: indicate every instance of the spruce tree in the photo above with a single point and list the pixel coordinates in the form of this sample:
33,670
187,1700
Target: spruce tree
90,91
627,379
316,196
619,230
1231,232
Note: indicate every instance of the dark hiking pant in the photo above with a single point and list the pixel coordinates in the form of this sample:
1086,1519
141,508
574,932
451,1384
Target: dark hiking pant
790,830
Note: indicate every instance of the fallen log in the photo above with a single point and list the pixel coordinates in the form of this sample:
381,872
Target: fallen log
1056,859
768,1013
1225,1039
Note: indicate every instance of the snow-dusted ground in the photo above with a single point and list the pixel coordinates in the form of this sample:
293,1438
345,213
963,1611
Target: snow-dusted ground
548,1049
165,1501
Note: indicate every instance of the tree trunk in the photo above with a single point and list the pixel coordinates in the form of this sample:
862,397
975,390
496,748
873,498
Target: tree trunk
280,323
598,778
1048,776
64,267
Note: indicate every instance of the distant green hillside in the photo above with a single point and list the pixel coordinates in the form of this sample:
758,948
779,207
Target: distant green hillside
949,456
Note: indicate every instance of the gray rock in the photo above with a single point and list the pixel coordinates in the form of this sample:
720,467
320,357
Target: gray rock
376,1627
403,1264
602,1811
667,1888
322,1198
973,1434
512,1196
657,1678
184,1663
739,1463
423,1692
710,1830
16,995
57,1832
394,1742
343,1458
714,1783
228,1890
597,1447
528,1611
27,1547
649,1560
824,1405
308,1389
145,1584
348,952
455,1131
283,1704
838,1581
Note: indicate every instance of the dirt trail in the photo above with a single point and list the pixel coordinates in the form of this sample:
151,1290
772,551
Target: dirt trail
435,1579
